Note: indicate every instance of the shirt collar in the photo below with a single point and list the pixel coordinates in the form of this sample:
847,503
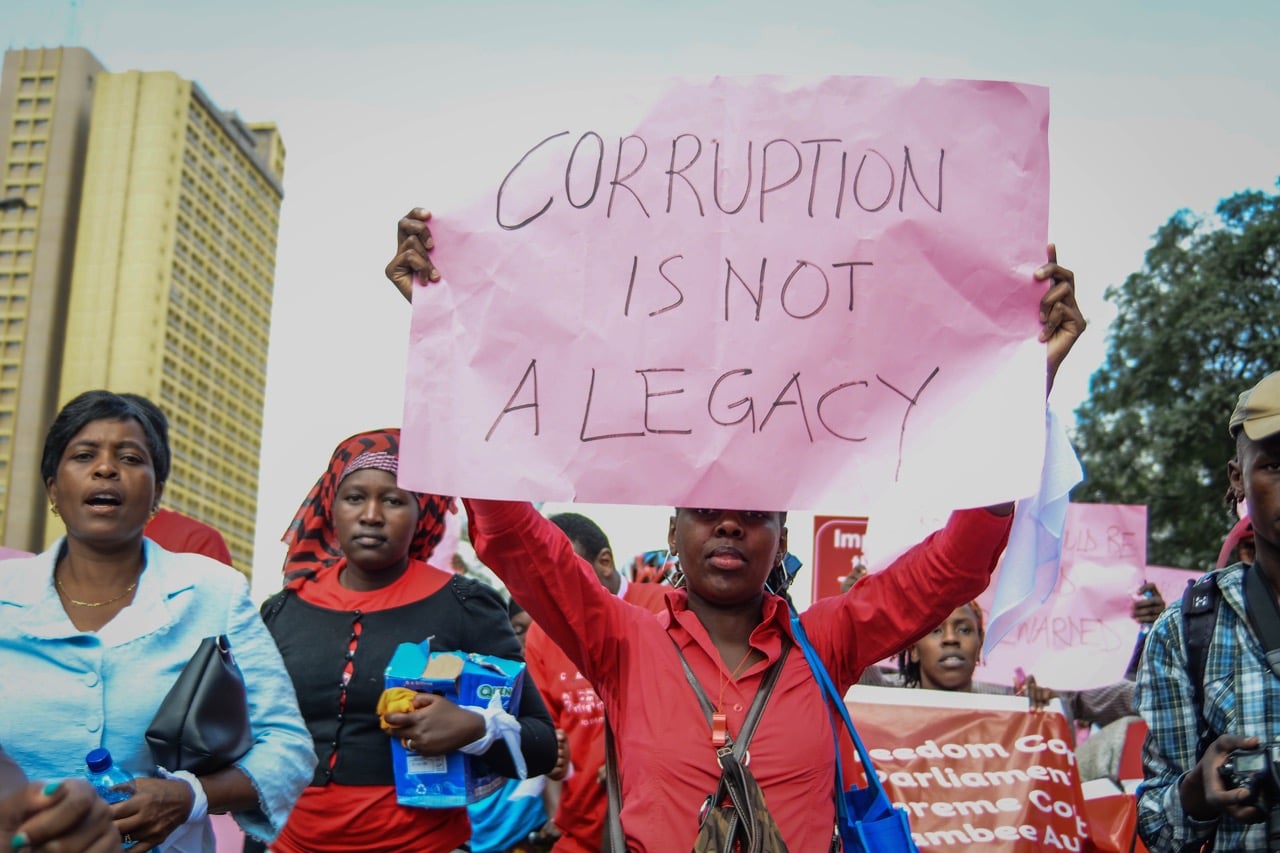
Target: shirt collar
28,584
687,629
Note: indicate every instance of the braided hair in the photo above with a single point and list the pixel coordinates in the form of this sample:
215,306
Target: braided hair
909,670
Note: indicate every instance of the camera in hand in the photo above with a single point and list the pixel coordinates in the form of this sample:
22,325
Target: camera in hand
1258,770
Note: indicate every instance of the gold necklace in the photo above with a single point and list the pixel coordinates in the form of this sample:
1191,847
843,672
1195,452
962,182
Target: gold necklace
62,589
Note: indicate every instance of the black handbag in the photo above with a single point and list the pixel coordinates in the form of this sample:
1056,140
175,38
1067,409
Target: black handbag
203,723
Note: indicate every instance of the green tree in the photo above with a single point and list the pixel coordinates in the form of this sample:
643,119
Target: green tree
1199,323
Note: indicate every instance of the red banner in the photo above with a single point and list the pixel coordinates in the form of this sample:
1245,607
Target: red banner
975,771
837,548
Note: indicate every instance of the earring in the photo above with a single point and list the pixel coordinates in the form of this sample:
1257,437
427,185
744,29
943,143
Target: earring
53,508
675,574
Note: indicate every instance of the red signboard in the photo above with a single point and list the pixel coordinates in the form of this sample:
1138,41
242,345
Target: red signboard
837,548
981,772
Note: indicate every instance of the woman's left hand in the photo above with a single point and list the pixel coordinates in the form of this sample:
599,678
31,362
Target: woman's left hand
1061,321
151,815
435,726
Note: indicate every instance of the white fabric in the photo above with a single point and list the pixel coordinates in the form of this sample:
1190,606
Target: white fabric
200,805
497,724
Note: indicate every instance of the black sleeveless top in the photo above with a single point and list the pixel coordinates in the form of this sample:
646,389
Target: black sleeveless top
315,642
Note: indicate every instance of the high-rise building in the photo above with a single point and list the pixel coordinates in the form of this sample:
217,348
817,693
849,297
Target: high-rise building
46,97
171,281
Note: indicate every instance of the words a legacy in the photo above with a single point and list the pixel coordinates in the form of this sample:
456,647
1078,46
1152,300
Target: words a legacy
729,401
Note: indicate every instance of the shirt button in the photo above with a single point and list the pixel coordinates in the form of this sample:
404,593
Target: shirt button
93,724
737,706
91,679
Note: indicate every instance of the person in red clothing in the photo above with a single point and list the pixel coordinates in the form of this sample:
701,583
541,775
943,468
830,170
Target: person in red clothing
575,708
358,585
182,534
1238,547
172,530
729,627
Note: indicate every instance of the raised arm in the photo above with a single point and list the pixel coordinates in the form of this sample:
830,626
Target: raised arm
1061,325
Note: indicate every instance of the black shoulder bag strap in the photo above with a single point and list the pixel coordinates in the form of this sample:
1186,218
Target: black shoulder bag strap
1264,614
731,755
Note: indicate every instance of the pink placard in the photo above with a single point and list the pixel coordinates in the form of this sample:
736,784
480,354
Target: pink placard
1083,636
1170,581
758,294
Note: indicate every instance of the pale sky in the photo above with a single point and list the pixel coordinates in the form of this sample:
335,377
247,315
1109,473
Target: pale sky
1154,107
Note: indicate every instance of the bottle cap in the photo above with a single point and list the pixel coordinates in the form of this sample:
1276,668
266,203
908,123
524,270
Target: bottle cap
98,760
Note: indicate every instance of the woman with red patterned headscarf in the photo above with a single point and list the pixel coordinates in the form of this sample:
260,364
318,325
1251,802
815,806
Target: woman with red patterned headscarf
357,585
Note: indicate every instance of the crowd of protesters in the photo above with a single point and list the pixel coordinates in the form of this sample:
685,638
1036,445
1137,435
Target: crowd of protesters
96,629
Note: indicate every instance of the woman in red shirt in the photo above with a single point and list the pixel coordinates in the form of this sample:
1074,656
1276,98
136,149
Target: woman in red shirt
729,627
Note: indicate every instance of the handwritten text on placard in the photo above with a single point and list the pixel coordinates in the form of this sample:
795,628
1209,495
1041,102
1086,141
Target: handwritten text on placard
757,296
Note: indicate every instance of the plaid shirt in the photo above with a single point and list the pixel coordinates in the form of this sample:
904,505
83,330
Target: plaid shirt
1242,697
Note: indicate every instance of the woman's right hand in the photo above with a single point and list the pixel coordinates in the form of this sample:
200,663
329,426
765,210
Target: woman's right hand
1038,697
151,815
435,726
413,244
67,817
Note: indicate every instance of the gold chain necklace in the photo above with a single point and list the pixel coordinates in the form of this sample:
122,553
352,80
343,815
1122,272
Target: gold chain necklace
62,589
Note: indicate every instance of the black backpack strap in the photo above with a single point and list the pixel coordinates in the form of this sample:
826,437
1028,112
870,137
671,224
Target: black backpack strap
1264,614
1199,618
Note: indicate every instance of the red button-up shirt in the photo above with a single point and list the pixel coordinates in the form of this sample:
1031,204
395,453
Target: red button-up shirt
667,762
577,710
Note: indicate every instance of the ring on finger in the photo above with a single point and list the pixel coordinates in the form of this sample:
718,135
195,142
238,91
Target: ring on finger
408,743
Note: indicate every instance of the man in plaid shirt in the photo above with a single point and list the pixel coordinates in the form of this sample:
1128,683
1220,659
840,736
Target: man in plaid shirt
1184,804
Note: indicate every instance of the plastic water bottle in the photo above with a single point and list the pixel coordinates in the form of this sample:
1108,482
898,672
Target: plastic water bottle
114,784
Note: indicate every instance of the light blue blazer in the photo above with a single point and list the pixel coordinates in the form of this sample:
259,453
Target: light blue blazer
64,692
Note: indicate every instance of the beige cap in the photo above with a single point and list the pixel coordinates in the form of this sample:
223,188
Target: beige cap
1258,410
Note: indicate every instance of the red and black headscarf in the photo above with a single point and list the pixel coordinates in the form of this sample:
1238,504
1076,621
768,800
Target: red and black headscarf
311,539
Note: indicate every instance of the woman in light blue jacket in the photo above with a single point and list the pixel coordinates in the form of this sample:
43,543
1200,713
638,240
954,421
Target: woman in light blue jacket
94,631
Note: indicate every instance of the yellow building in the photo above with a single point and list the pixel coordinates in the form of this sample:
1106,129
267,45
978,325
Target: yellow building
45,101
172,280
